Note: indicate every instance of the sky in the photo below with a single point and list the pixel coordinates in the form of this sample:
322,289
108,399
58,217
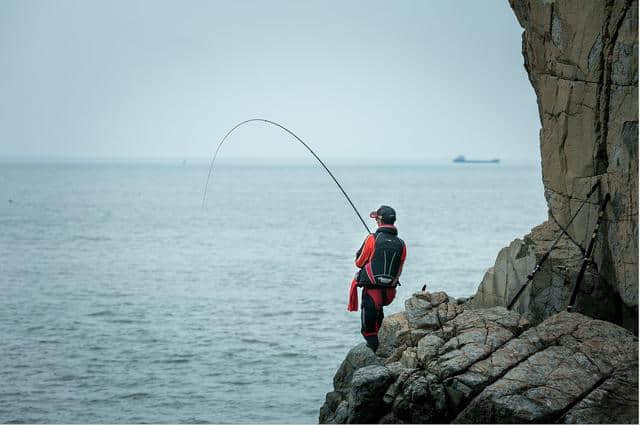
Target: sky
357,80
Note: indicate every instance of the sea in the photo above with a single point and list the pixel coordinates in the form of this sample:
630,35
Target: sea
124,300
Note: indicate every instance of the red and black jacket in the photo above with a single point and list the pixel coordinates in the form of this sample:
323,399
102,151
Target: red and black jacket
381,258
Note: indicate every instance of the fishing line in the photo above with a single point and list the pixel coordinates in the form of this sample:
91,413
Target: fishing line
215,155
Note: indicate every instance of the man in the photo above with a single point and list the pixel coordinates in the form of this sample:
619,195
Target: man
380,259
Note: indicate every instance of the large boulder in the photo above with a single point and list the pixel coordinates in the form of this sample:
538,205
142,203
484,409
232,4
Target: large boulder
557,372
393,333
422,399
359,356
490,365
427,311
368,386
582,61
478,333
336,407
420,312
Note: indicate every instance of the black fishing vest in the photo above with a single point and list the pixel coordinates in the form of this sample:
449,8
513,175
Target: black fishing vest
384,267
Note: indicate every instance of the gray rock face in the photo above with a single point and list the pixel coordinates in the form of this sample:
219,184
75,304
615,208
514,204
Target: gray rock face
420,312
393,334
336,408
559,371
368,387
582,61
491,366
428,348
422,399
359,356
608,403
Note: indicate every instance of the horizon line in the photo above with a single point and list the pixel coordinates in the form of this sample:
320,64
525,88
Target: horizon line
236,159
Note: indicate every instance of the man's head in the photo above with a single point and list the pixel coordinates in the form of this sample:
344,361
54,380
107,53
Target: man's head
384,215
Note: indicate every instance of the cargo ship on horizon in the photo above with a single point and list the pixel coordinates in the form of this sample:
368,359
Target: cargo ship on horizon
462,159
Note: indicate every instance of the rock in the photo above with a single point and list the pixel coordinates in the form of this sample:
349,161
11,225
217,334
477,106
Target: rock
393,333
524,323
544,384
396,355
389,418
502,281
409,358
539,363
493,366
342,413
396,368
552,372
477,318
428,348
422,400
611,402
468,347
368,387
430,311
438,298
551,287
359,356
328,411
446,332
395,388
582,61
416,335
425,295
420,313
447,311
463,386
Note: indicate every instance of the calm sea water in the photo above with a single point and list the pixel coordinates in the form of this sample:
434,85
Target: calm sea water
123,301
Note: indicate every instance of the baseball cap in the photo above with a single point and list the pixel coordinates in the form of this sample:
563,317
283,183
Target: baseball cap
385,213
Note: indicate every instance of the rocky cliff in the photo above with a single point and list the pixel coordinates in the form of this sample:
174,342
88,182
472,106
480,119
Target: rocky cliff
582,61
440,362
446,360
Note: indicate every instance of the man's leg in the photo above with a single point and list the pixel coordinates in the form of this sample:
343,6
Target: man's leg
379,317
371,320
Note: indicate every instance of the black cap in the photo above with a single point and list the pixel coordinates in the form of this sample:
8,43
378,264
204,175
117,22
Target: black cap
385,213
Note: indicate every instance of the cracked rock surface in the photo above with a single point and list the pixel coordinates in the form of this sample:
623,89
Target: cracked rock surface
488,366
582,61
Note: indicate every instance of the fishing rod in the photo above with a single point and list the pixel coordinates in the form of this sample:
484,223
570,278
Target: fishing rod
215,155
564,231
587,256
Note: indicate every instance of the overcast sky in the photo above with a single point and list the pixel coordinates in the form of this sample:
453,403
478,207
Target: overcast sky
358,79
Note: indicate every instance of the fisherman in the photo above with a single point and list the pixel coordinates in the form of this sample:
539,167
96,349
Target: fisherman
380,260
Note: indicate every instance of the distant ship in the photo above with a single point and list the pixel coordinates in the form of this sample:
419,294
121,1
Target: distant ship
461,158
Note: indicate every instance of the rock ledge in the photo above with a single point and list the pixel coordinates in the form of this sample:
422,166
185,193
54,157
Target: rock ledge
439,362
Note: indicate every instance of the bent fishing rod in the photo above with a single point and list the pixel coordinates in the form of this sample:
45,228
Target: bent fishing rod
215,155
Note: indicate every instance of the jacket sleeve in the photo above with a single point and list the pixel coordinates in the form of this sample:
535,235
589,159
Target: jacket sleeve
402,257
365,251
359,251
